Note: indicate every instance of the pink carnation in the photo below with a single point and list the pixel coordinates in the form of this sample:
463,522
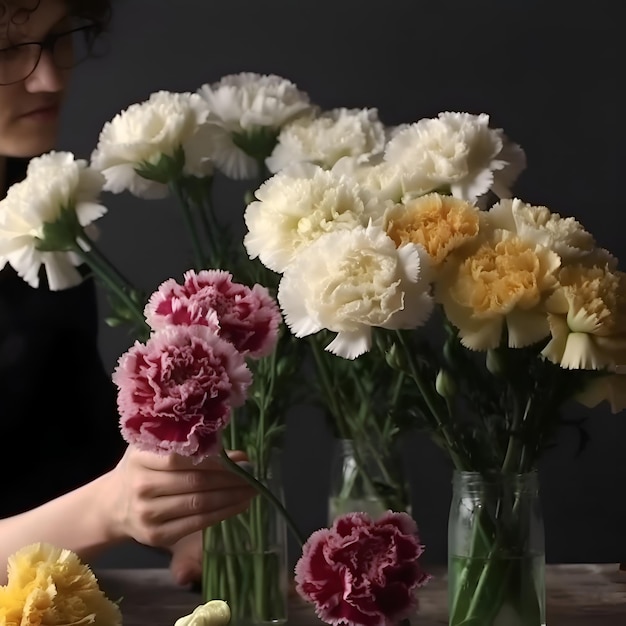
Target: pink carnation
247,317
176,392
362,572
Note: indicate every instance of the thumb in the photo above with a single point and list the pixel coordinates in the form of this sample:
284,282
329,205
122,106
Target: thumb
237,456
186,568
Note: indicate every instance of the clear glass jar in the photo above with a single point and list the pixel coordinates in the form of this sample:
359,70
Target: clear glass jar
367,480
496,550
245,559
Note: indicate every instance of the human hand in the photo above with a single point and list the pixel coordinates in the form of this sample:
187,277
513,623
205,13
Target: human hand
186,562
157,500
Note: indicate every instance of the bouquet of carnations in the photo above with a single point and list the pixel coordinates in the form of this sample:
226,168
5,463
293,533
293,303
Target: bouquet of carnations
497,311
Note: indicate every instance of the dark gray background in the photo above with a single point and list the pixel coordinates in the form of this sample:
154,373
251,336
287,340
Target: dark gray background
549,74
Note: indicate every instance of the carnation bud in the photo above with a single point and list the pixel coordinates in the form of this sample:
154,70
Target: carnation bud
445,385
494,362
395,359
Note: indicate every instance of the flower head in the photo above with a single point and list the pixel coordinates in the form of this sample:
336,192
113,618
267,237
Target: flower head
326,138
362,572
502,284
153,133
379,179
458,152
249,318
249,110
439,223
42,216
587,316
49,586
295,207
538,225
351,280
177,390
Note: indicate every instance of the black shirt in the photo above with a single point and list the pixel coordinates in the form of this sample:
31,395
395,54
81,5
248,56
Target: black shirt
58,420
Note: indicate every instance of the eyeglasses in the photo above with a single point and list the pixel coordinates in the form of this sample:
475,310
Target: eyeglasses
18,62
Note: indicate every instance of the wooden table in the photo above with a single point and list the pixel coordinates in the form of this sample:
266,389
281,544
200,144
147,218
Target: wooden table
577,595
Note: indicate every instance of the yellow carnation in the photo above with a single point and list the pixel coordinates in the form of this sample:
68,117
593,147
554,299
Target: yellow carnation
48,586
502,284
439,223
587,316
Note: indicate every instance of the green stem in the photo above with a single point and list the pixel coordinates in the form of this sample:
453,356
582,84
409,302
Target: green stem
261,488
211,228
328,389
178,191
512,450
108,274
431,399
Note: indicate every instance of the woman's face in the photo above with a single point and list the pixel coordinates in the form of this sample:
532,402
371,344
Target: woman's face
30,105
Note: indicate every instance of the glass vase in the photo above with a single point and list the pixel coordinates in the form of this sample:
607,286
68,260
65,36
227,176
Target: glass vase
366,479
245,558
496,553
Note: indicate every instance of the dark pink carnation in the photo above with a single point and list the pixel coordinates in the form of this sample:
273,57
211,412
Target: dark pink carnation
363,572
247,317
176,392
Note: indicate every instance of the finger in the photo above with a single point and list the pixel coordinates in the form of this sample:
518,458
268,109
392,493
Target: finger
186,561
186,568
160,484
238,456
167,462
173,530
167,508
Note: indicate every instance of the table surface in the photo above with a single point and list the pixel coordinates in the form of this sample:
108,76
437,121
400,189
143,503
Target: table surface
577,595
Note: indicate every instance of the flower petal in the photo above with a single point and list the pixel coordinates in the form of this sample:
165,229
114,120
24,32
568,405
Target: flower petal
350,345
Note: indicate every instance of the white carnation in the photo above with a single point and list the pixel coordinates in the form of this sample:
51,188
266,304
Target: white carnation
379,179
295,207
244,105
145,132
325,139
349,281
54,182
455,151
538,225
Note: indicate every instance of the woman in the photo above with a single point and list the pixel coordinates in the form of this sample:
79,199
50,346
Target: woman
68,477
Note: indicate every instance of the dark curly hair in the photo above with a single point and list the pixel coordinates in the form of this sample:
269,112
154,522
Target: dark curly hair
96,12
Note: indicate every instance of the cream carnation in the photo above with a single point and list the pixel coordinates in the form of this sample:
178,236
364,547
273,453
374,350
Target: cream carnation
587,316
538,225
146,132
457,152
295,207
379,179
502,284
351,280
248,108
325,139
57,188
